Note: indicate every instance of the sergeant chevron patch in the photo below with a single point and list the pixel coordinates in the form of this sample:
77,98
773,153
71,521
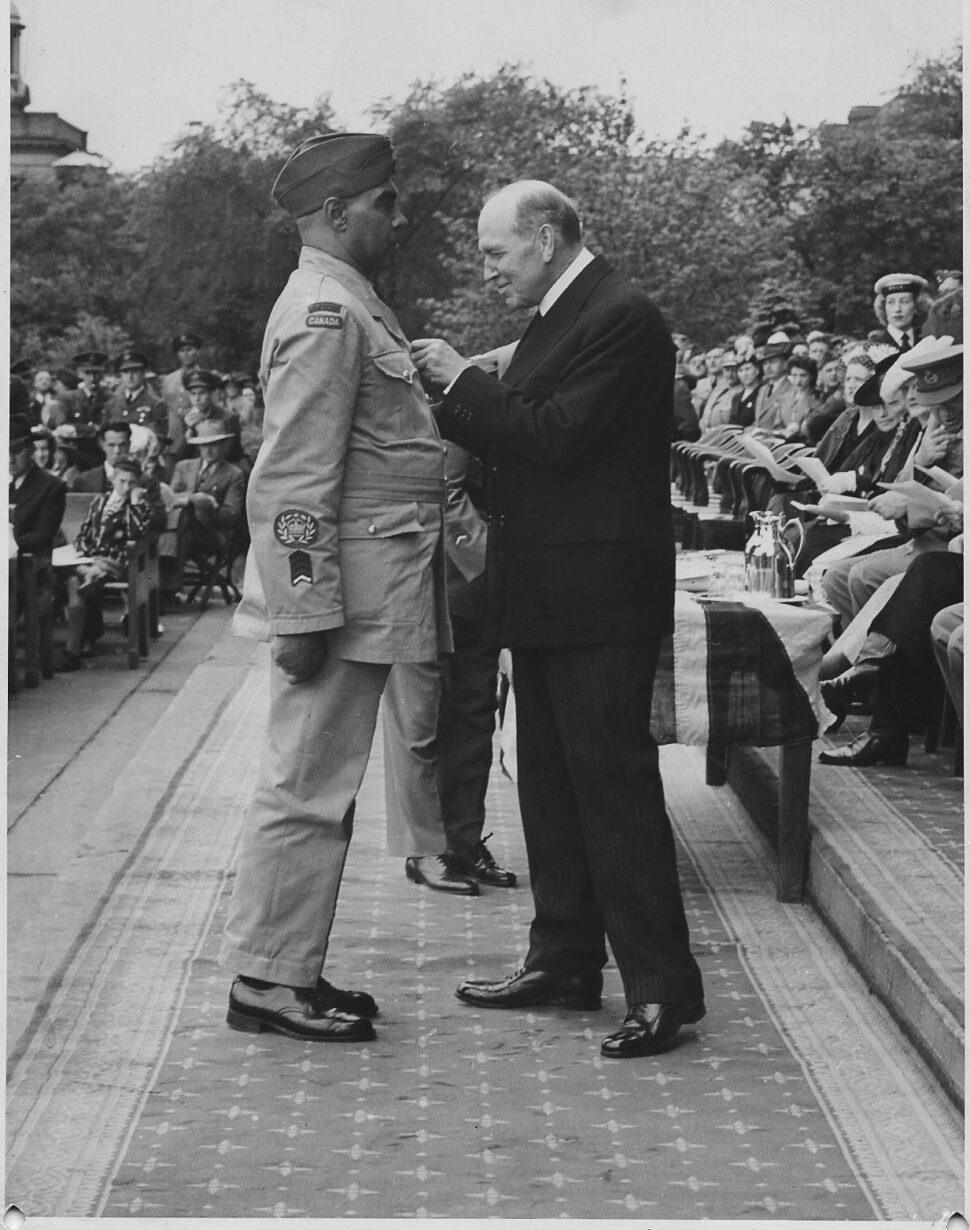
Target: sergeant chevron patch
301,568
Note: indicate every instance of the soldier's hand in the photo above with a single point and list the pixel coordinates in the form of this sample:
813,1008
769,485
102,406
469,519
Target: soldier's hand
437,360
300,655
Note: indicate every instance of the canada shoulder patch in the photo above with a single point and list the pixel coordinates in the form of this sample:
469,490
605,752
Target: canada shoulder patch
296,528
325,315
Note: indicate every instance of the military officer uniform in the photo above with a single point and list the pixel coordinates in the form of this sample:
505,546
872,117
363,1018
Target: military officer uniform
345,511
138,408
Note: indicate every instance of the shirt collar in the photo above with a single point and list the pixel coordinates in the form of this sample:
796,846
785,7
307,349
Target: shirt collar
346,274
565,279
899,334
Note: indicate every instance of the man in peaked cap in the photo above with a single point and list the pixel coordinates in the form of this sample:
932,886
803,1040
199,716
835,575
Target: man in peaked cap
134,402
344,577
91,397
186,347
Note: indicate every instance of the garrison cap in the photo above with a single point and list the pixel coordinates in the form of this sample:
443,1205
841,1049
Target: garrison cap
335,164
939,373
129,359
900,284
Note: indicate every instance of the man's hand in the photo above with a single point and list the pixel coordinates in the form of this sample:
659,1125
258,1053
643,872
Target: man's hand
437,360
933,446
300,655
203,501
838,484
890,505
951,518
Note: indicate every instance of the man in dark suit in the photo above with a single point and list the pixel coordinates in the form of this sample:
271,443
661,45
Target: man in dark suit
576,439
115,441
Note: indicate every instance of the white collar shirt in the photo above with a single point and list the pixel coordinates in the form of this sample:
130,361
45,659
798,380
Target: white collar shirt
565,279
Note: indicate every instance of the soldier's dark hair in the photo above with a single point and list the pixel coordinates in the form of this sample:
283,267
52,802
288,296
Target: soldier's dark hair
121,426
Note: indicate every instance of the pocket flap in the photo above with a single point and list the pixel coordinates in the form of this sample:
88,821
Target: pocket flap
383,522
397,364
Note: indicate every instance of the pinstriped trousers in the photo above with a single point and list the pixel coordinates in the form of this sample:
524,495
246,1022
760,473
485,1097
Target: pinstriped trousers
600,847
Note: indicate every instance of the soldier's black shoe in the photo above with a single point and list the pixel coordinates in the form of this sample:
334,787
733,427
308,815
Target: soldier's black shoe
293,1011
435,871
479,862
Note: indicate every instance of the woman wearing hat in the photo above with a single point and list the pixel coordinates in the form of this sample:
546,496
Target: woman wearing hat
64,463
901,305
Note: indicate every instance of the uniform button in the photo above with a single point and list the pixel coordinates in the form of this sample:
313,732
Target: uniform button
372,528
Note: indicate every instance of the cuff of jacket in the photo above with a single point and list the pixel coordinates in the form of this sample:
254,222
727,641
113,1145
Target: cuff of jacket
290,625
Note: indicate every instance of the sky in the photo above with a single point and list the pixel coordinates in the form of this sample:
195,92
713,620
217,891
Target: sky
135,73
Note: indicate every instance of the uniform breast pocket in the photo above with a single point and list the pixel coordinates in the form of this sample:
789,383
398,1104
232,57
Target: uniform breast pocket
401,403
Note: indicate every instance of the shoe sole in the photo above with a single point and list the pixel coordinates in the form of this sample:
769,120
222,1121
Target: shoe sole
590,1004
246,1024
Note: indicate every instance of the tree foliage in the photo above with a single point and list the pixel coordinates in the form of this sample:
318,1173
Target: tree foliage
784,221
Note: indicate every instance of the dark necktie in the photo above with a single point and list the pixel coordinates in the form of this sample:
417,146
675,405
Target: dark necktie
905,344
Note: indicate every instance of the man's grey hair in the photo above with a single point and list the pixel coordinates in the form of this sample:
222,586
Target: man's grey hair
548,206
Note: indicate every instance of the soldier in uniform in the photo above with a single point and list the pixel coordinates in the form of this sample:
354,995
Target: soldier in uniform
135,403
91,398
186,347
345,574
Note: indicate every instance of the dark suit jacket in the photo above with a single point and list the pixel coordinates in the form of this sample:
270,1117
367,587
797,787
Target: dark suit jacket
38,509
226,484
95,481
576,440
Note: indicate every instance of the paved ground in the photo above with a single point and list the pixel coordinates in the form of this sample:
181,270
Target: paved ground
796,1098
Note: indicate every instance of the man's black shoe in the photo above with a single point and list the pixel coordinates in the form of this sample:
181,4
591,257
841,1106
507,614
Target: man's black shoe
530,988
435,871
356,1003
649,1029
869,749
478,862
293,1011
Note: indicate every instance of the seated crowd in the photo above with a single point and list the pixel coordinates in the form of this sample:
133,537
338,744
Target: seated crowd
882,514
166,456
171,455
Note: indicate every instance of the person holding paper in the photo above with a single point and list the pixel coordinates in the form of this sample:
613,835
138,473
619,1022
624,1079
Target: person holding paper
850,583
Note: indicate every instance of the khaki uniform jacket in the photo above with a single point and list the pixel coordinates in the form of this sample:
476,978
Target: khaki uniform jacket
345,499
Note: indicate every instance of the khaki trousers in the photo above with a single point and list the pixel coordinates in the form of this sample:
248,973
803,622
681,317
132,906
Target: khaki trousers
299,824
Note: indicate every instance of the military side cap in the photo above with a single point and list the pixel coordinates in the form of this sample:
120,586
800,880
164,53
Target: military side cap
340,164
199,378
939,374
90,358
186,339
129,359
900,284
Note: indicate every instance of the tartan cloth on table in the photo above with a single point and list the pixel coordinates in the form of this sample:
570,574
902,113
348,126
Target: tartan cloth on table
743,672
